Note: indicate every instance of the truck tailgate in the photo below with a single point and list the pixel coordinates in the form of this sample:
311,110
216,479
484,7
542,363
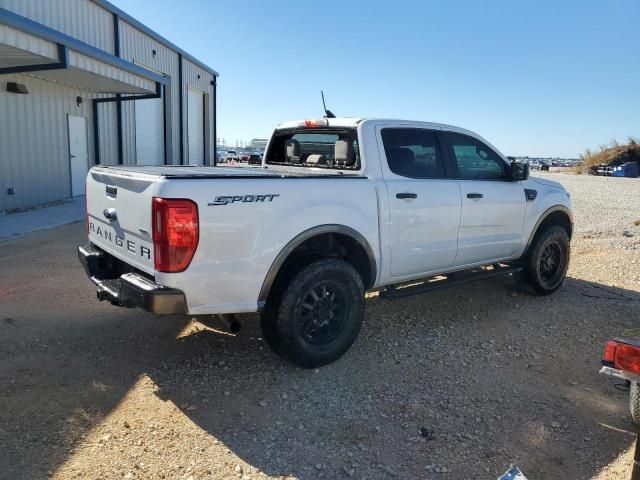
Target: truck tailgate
119,214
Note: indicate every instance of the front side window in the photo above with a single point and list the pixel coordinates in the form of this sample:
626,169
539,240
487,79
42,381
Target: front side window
476,161
413,152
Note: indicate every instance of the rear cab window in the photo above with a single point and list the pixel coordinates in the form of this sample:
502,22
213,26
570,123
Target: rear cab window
413,152
328,148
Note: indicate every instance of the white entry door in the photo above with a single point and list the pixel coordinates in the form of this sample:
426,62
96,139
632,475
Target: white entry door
195,126
78,154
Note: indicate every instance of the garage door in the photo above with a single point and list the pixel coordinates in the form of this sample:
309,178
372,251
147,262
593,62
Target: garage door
149,131
195,127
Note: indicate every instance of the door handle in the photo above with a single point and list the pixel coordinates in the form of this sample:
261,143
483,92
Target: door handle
406,195
474,195
72,156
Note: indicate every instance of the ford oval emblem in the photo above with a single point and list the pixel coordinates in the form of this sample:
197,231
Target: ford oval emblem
110,213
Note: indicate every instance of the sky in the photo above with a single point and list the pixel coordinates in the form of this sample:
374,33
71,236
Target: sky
537,78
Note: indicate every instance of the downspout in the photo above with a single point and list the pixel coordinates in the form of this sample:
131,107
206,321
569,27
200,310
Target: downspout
164,124
116,52
180,121
215,124
96,134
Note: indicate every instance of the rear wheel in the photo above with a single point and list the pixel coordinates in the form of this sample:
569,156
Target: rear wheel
318,314
547,261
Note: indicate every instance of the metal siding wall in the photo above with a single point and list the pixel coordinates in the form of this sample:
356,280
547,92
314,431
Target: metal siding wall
108,134
138,47
81,19
34,149
128,133
196,127
190,79
18,39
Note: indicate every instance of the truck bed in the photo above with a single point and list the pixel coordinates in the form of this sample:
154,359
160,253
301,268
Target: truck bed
238,240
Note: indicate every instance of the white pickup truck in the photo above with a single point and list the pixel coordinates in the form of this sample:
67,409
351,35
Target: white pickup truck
338,207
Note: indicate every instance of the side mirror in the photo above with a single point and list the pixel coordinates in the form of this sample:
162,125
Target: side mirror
519,171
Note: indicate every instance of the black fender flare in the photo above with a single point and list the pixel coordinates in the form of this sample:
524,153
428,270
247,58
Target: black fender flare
543,217
303,237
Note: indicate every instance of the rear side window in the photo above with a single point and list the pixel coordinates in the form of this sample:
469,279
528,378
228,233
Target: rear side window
413,152
475,160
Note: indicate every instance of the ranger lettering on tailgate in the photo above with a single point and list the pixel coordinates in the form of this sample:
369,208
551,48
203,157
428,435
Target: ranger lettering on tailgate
128,245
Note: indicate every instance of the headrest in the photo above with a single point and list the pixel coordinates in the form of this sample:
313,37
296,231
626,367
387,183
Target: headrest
316,159
292,150
343,153
403,160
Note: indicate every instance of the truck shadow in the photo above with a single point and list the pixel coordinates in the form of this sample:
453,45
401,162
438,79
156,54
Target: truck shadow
484,378
474,379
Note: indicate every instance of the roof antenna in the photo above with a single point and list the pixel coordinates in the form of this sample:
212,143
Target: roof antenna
327,113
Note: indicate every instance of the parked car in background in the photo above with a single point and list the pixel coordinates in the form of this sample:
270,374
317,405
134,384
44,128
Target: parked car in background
244,156
255,159
539,165
602,170
231,155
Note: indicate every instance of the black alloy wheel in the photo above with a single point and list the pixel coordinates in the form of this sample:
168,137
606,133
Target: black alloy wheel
323,313
547,260
550,261
315,313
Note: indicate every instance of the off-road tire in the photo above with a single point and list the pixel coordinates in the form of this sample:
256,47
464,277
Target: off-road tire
634,402
293,318
545,276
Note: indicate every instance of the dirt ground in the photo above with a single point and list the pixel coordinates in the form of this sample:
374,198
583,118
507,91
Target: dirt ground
455,384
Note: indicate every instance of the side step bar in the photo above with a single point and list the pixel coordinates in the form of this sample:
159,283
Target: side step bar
416,287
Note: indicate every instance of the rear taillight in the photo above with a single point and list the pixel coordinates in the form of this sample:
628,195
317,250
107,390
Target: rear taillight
175,233
622,356
609,356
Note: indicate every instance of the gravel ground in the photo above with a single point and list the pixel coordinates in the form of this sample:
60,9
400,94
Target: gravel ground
453,384
604,207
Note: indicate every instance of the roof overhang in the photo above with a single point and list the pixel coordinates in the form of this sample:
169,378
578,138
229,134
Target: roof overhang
29,47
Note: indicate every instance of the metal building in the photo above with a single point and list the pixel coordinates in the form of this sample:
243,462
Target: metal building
83,83
259,143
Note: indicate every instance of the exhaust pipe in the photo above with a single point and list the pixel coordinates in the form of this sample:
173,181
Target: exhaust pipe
231,322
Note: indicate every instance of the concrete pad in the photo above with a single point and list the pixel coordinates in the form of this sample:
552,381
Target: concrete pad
18,224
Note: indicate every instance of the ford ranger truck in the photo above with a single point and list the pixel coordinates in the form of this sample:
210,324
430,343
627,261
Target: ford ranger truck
338,207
